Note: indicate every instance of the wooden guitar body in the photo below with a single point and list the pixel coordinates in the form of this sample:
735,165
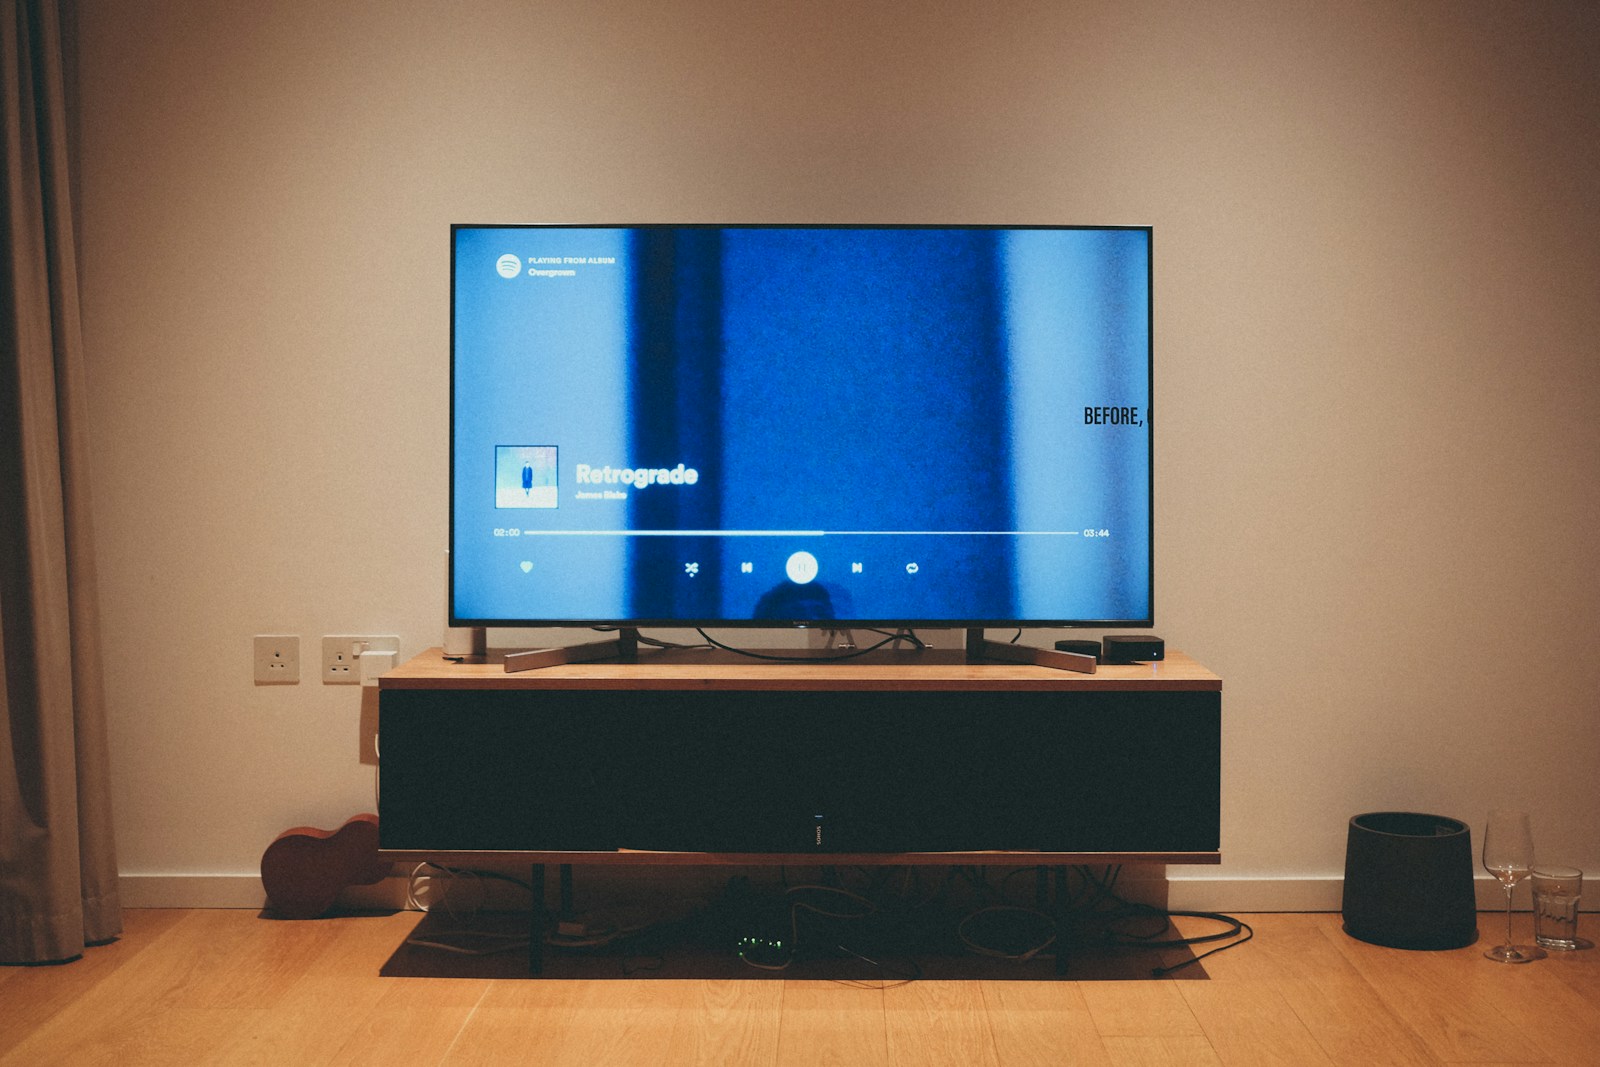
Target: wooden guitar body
305,869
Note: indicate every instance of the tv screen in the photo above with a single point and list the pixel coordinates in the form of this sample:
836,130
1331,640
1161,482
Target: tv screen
797,425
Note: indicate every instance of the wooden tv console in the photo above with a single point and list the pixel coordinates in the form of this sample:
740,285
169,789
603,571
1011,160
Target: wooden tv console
703,758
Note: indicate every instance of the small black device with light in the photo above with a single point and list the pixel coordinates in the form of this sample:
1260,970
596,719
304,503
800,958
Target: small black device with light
1134,648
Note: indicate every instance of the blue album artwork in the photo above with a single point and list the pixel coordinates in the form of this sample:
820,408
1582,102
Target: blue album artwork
526,476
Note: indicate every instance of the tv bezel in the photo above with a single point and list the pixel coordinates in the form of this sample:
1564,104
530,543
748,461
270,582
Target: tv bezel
970,624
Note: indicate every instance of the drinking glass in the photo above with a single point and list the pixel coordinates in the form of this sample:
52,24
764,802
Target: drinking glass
1508,855
1556,892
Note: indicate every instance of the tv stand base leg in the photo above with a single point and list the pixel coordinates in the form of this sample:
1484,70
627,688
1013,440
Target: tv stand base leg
1060,912
624,647
980,649
537,923
564,912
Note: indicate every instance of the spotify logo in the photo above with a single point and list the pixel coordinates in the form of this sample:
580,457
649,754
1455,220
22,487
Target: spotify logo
508,265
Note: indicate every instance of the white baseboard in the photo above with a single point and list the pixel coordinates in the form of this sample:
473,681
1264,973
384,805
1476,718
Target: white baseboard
1147,885
191,891
1190,893
1254,894
239,891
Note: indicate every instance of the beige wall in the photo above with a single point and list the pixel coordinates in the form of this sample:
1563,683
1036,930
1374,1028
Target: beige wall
1378,297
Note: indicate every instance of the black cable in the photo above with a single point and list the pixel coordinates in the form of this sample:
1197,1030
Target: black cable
656,642
641,964
896,636
1236,924
795,907
884,971
1089,902
793,659
1044,935
1128,909
653,642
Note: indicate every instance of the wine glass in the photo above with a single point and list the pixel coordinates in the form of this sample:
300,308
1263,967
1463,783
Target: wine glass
1508,855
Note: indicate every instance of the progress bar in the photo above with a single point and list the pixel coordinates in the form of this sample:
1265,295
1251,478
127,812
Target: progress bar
802,533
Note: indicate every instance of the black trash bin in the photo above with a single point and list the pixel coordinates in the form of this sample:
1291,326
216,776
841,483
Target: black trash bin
1408,881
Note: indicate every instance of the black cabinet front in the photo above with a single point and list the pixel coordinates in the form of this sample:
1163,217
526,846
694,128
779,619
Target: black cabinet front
799,771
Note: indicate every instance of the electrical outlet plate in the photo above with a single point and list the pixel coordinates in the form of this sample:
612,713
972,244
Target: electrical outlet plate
277,659
341,664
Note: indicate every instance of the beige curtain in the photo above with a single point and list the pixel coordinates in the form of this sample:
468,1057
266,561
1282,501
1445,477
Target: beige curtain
58,871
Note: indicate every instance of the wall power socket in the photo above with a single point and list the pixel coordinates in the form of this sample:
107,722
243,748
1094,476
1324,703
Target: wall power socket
341,655
277,659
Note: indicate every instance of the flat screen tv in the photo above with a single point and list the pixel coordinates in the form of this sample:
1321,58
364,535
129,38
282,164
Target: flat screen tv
772,426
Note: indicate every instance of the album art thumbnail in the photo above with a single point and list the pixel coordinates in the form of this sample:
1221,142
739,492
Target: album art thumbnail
525,476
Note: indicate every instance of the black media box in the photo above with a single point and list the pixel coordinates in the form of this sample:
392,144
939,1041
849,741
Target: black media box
1134,648
1082,648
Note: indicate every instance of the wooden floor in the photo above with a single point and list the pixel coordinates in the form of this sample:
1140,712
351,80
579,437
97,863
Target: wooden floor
193,987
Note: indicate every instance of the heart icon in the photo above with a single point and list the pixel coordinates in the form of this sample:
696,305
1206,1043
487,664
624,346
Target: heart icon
527,565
